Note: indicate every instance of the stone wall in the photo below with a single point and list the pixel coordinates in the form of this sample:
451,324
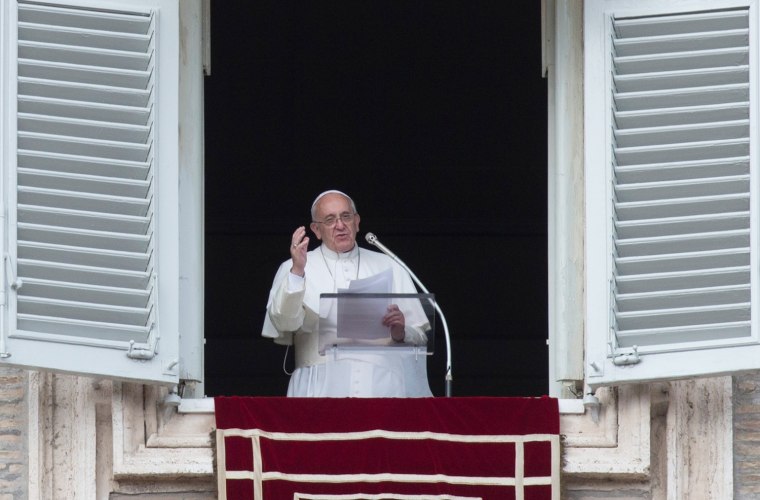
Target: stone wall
687,419
13,434
690,450
746,407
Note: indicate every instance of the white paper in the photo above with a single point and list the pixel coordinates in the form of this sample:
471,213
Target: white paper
360,318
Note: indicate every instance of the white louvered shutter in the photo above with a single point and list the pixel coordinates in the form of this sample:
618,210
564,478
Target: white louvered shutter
671,175
90,255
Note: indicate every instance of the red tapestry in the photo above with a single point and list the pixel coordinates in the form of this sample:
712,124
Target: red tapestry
351,449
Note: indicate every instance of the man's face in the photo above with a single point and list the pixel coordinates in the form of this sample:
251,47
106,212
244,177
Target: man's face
341,237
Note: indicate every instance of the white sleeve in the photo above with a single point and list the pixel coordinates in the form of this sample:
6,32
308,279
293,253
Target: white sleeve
285,312
286,308
296,283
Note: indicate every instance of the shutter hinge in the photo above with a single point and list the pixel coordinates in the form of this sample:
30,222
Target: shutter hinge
148,352
140,352
624,357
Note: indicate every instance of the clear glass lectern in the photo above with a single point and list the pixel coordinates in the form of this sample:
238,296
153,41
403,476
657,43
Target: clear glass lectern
351,329
355,320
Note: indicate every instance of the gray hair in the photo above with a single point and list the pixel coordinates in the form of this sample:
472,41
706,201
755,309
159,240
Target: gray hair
323,194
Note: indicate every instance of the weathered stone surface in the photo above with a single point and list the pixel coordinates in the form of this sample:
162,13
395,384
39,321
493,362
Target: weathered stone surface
13,434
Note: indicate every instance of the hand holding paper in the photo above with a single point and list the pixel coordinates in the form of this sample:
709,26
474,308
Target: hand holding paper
395,320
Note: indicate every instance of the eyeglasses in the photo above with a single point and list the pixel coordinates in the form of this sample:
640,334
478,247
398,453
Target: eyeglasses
331,220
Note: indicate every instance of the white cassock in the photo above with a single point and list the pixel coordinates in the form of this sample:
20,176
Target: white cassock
293,319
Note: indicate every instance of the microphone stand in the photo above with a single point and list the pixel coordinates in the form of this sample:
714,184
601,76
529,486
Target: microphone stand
372,240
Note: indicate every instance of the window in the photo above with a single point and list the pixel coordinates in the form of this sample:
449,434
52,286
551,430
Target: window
90,243
671,189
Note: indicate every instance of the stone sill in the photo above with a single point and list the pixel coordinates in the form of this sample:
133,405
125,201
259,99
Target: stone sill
206,405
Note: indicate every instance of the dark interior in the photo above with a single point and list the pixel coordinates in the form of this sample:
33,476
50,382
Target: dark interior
432,115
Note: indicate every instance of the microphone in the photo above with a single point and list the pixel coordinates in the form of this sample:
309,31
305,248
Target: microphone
372,240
